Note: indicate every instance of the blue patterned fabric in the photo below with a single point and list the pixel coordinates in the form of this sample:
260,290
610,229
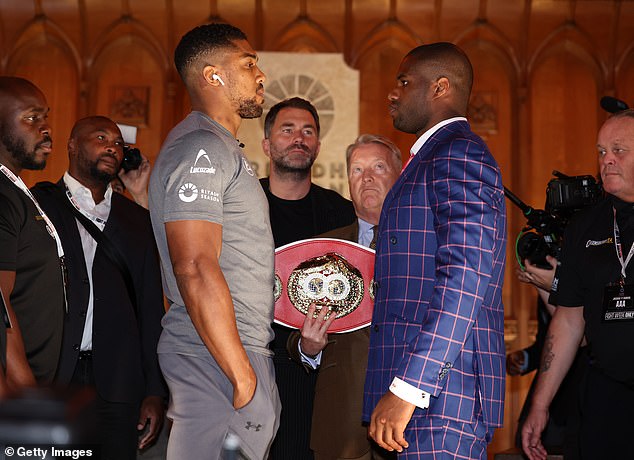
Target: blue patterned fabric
438,320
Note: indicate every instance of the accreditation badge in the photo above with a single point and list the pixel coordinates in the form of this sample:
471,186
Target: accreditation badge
333,274
618,302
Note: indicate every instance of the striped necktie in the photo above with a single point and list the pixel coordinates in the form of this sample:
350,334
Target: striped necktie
373,242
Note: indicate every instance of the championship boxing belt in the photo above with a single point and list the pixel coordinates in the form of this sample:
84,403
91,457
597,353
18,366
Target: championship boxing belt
331,273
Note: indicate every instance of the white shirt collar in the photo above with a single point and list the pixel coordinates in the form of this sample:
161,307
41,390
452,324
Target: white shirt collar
83,197
427,134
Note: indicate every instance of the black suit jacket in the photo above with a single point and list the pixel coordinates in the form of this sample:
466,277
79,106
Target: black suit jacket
125,335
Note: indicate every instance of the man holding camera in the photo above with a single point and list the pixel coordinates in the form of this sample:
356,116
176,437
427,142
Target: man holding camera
593,288
115,303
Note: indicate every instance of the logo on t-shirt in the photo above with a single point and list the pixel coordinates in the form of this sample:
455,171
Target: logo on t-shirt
247,166
188,192
598,243
202,164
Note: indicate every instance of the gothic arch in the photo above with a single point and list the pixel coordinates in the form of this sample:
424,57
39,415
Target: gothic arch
41,32
391,33
128,30
127,75
484,35
570,40
305,35
624,75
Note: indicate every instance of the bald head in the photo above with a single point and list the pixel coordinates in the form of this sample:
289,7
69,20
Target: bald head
433,83
25,140
615,144
90,123
438,60
95,152
15,88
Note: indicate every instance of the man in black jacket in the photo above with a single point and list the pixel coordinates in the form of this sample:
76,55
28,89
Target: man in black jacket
115,300
299,209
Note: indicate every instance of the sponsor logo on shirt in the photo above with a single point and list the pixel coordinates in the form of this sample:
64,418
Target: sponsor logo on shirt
599,243
247,166
188,192
202,164
209,195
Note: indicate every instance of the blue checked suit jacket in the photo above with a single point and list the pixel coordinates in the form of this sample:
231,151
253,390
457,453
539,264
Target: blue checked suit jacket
438,321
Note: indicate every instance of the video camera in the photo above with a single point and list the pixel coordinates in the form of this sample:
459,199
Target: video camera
544,229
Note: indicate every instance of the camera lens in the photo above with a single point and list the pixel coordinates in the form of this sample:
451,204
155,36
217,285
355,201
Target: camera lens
532,246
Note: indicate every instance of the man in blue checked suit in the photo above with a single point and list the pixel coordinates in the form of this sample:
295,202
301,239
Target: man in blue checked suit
436,367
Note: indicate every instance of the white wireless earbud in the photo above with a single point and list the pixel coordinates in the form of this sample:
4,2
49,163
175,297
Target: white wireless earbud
217,77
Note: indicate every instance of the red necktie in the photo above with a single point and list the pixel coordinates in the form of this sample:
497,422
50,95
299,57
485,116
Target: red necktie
411,155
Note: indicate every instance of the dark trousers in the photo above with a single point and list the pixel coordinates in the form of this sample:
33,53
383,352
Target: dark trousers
297,391
607,423
116,422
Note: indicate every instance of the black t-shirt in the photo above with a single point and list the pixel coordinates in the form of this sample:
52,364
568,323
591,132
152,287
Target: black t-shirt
320,211
291,220
588,264
27,249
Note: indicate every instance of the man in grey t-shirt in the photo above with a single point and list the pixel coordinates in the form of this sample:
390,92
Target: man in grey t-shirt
210,218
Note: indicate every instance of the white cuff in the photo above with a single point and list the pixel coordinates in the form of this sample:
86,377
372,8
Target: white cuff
410,393
312,362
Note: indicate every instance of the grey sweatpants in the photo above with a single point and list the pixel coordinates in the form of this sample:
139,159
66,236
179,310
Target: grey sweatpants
201,408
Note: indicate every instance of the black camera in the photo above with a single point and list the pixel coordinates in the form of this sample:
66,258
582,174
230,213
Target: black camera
131,158
544,230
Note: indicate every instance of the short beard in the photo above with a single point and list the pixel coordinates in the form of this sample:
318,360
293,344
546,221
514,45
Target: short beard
101,176
249,108
17,149
95,175
299,172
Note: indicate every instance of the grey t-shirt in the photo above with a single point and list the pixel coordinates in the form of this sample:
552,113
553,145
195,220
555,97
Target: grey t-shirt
201,174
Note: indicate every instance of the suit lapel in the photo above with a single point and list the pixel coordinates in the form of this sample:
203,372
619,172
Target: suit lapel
422,155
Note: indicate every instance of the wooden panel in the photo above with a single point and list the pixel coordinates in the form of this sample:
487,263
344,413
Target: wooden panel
547,62
52,69
490,116
624,79
378,77
564,122
128,86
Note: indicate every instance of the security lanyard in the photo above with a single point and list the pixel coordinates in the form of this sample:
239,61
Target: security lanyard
49,227
619,248
97,220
